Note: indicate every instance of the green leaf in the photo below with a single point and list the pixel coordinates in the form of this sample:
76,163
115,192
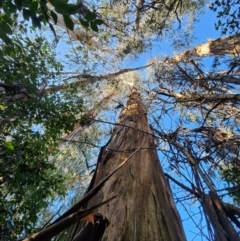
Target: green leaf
94,27
44,16
5,28
54,16
18,4
73,9
9,146
26,14
90,16
53,30
2,107
62,10
9,8
5,38
36,22
98,22
7,19
55,3
60,6
68,21
34,6
84,23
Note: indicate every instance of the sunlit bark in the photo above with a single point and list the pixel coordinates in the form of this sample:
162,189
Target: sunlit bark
144,207
199,97
220,46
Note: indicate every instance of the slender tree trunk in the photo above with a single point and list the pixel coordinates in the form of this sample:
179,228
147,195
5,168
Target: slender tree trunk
89,79
144,207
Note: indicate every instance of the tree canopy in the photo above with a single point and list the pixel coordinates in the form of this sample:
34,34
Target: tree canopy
62,90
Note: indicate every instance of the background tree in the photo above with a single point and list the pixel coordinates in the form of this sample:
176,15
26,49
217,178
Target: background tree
41,12
228,14
31,124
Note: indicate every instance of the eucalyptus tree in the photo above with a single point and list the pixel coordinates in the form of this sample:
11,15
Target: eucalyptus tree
142,207
128,215
201,146
217,47
205,136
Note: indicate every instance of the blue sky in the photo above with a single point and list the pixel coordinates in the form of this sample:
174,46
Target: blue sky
205,27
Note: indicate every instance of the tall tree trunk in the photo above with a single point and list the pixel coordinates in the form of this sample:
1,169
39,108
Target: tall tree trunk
144,207
220,46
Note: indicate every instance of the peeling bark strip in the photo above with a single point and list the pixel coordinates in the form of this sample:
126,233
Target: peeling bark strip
65,222
220,46
224,230
144,207
199,97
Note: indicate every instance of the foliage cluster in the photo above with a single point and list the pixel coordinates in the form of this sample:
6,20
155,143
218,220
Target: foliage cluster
228,15
31,124
41,12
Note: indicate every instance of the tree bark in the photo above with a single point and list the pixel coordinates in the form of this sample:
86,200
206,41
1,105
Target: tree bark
181,98
220,46
144,207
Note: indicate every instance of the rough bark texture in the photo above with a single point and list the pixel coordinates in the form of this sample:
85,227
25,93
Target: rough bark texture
220,46
144,208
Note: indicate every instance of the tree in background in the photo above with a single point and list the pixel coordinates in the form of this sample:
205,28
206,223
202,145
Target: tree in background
31,124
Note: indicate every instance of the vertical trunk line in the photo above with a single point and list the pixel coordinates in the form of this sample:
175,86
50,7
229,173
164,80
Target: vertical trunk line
143,209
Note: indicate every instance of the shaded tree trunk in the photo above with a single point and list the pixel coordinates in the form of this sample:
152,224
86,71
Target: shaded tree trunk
144,207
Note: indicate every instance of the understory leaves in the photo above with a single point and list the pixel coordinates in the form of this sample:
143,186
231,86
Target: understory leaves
31,124
68,21
39,13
